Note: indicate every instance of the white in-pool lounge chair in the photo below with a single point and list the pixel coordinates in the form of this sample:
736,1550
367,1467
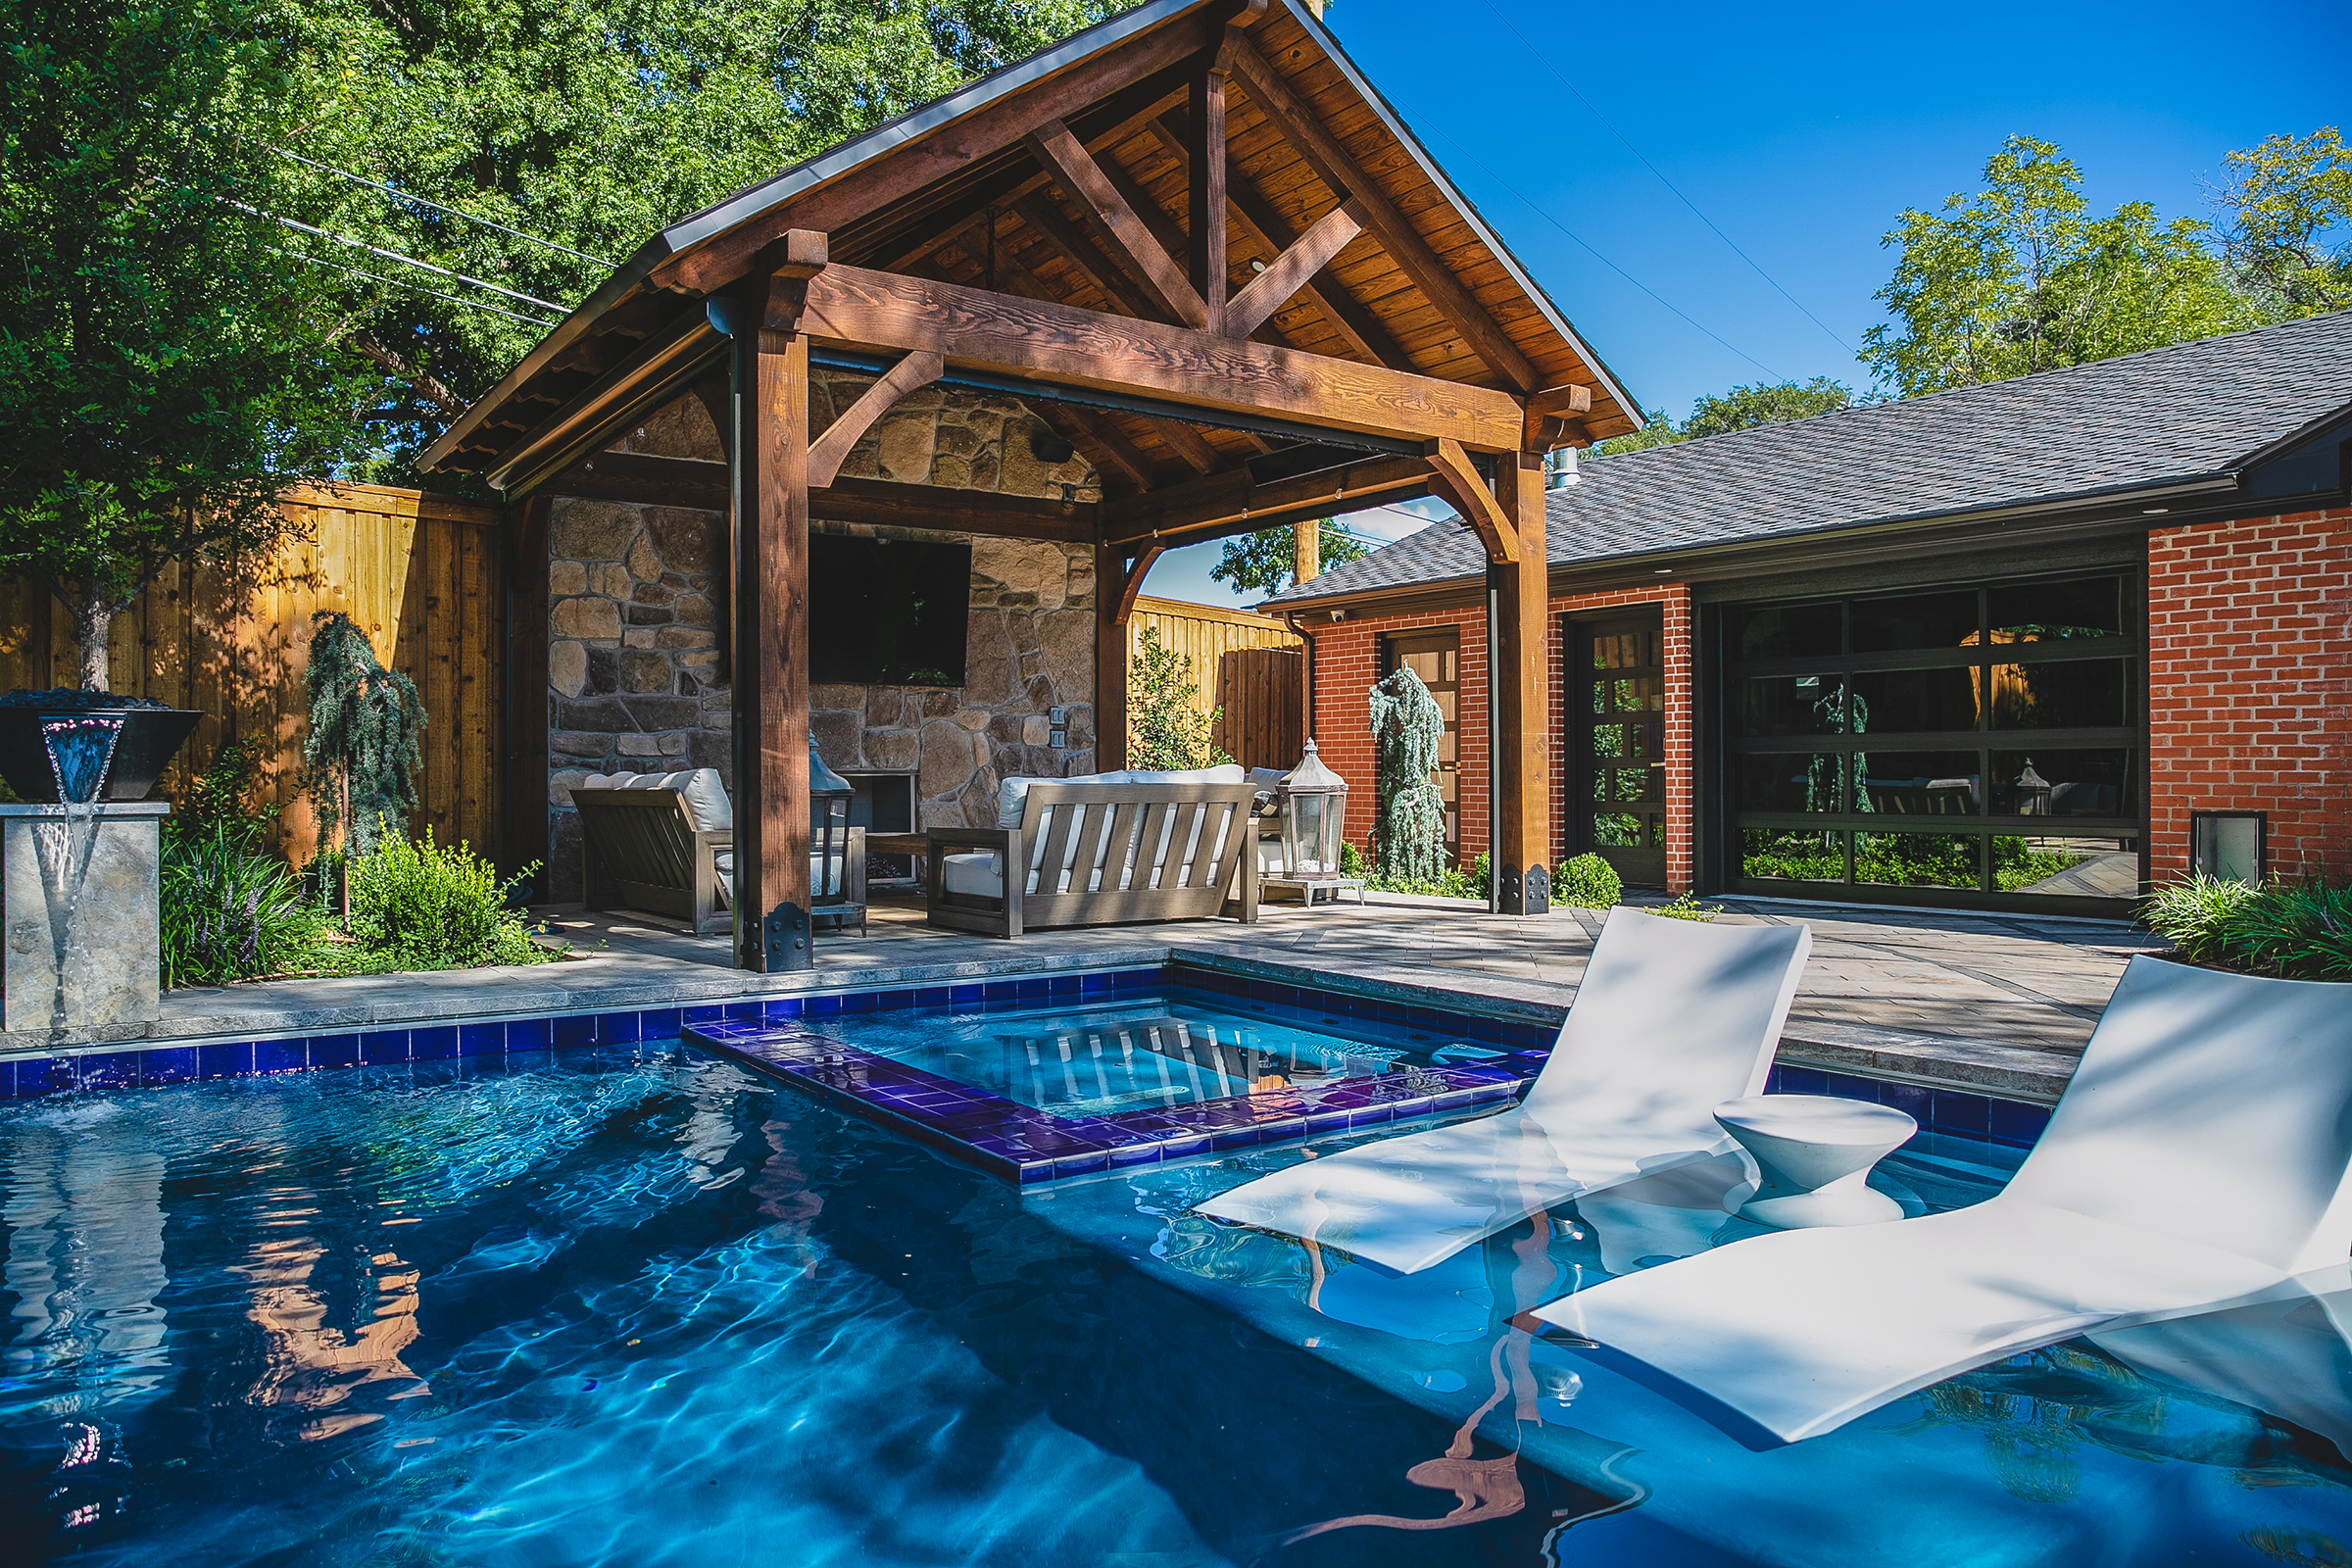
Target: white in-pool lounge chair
1672,1018
2197,1160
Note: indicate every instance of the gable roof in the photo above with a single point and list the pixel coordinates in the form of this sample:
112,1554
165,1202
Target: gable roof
2181,416
951,190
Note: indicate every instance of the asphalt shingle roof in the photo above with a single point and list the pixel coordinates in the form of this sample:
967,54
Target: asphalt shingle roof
2166,415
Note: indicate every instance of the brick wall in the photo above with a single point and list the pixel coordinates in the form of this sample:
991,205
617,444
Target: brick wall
1347,663
2250,684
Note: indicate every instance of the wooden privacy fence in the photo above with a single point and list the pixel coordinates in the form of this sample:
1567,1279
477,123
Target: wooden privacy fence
1252,668
421,574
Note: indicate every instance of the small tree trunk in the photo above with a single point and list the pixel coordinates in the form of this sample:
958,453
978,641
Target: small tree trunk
92,615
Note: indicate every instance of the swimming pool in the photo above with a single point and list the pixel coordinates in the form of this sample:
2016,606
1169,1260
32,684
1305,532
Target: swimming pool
625,1305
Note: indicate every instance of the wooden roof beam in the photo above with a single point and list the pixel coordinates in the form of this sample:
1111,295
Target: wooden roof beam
1290,271
828,451
1554,418
1335,166
1105,446
1456,478
1357,326
1232,502
1117,224
950,150
856,307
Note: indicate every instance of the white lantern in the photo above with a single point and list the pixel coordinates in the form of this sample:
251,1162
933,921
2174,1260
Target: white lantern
1312,802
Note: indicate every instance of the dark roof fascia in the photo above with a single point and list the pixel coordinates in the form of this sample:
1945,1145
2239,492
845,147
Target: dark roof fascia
2211,496
2319,429
793,183
1477,221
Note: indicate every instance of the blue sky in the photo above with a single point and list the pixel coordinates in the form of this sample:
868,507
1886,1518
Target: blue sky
1801,134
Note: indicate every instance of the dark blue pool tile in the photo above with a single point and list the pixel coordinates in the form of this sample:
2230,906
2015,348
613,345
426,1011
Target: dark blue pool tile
42,1075
385,1048
481,1039
780,1007
701,1013
658,1023
1910,1098
1063,985
1320,1122
336,1050
895,1001
1955,1113
2017,1125
861,1001
444,1040
522,1061
1098,982
112,1070
572,1031
1845,1086
169,1064
824,1006
227,1060
1129,1154
1528,1036
1178,1145
1800,1081
279,1056
616,1029
1371,1115
1085,1164
523,1034
1035,989
1236,1138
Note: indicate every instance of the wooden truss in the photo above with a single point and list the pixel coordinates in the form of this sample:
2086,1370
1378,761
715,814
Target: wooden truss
1199,250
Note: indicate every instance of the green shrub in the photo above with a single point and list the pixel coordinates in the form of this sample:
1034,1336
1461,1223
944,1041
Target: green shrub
1587,882
228,910
1685,906
419,906
2296,931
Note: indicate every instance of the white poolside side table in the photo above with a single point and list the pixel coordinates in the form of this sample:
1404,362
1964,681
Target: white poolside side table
1815,1153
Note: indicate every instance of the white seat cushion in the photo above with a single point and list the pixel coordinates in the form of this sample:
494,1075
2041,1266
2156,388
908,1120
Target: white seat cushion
975,875
707,802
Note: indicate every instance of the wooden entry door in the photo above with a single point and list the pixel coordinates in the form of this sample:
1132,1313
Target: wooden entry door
1616,700
1437,658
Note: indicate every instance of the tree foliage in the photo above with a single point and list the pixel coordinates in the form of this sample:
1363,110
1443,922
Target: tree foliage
2288,240
166,365
1408,821
360,758
2019,277
1743,408
1263,562
1167,731
591,124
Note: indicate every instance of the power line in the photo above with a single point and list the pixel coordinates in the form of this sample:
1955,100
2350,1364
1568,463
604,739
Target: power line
395,256
419,288
1546,60
398,194
1545,214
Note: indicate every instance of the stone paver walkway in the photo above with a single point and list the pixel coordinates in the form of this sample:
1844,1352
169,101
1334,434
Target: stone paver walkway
1999,1004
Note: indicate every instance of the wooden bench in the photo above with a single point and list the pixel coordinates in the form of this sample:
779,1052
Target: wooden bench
640,850
1099,854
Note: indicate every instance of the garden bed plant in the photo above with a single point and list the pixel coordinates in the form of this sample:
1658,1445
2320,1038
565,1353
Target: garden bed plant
2290,930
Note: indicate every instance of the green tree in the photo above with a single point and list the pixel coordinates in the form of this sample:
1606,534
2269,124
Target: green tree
588,123
166,365
1167,731
1743,408
2019,277
2288,240
1264,561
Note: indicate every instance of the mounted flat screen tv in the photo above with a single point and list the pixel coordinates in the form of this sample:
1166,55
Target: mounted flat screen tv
886,611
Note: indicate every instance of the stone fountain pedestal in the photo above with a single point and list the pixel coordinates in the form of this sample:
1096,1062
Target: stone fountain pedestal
80,939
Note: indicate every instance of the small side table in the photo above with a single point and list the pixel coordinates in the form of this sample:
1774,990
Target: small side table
1310,887
1815,1153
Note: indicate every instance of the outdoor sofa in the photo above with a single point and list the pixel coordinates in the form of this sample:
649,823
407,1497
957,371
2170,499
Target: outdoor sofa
665,843
1100,848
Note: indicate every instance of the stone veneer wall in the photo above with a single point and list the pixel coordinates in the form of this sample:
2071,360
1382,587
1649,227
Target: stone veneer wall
633,653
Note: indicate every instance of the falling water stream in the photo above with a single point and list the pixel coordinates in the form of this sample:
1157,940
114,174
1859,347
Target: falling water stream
82,750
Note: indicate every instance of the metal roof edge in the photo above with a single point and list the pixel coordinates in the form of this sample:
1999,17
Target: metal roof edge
1477,219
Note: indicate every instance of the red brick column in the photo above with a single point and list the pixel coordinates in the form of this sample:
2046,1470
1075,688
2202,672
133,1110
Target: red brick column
2250,685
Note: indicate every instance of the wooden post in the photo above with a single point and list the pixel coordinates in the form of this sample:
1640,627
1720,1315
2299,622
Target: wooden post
1111,657
1522,759
1306,553
771,470
1207,168
527,701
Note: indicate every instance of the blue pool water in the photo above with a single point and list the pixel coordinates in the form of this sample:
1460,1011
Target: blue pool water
625,1308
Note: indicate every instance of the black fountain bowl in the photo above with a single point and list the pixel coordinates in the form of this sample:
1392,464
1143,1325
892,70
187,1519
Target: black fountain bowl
151,738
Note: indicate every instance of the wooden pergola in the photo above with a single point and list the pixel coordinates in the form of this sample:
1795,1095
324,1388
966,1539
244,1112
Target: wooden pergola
1348,332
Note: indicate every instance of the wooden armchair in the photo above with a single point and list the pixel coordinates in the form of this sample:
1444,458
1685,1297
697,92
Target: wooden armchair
640,850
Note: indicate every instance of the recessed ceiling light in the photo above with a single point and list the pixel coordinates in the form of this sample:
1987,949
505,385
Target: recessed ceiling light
2154,512
1664,571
